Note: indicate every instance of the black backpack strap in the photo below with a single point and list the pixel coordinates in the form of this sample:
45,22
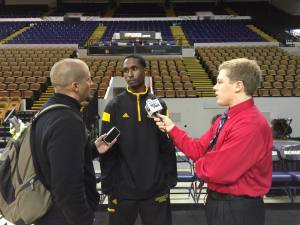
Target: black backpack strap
48,108
33,151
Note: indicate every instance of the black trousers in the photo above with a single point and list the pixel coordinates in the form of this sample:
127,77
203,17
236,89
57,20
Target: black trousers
234,211
53,216
154,211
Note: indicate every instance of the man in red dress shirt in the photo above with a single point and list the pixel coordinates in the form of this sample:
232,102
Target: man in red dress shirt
234,157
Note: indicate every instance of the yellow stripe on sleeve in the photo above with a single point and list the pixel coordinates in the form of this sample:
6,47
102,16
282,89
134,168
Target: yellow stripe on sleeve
106,117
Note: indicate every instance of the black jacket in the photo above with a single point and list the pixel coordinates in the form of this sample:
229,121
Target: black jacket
142,163
63,157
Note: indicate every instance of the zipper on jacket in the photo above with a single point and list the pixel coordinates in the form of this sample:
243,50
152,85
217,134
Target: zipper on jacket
138,107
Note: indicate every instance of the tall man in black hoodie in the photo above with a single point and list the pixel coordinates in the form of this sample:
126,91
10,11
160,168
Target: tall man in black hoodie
63,155
139,170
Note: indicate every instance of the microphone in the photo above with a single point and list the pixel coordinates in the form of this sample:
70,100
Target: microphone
153,106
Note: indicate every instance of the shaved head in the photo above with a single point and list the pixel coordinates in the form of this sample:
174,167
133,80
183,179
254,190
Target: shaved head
72,77
66,71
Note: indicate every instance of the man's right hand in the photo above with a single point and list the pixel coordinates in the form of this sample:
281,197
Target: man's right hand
102,146
164,123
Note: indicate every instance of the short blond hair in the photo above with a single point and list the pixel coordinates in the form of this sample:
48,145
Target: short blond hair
245,70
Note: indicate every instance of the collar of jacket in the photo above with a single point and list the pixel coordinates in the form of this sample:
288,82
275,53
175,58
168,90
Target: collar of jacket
138,105
59,98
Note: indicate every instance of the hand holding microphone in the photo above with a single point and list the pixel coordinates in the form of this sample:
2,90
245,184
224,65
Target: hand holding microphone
164,123
153,108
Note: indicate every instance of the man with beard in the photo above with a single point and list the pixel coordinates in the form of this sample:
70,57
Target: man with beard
139,170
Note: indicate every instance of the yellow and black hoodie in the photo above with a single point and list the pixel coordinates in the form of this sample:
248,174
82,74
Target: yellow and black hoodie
142,163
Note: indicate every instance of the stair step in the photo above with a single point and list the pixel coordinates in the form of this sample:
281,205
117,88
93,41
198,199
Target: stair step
11,36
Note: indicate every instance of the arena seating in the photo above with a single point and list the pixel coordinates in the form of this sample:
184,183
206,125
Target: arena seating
269,18
6,28
170,78
117,26
58,32
25,71
281,71
206,31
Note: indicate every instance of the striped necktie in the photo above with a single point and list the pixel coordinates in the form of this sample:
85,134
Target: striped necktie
215,137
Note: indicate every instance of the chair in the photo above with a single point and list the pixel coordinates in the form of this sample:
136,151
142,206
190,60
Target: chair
101,93
106,79
28,94
94,86
176,79
269,78
15,103
277,84
35,87
280,177
9,80
185,78
170,93
180,93
38,73
297,84
159,93
178,86
30,80
168,86
42,80
296,92
23,87
291,72
27,73
275,92
2,86
12,87
158,86
103,85
20,80
290,153
17,93
191,93
4,93
188,86
289,78
266,84
288,84
185,174
286,92
166,79
263,92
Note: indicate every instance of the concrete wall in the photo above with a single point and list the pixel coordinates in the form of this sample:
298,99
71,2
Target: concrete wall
194,114
290,6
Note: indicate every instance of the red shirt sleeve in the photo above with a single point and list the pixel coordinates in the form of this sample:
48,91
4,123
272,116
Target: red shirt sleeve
234,157
193,148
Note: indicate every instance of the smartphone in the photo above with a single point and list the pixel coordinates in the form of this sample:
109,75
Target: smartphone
111,135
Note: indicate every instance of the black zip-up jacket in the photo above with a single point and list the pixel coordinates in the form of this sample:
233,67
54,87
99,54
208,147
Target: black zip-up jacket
143,162
63,157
